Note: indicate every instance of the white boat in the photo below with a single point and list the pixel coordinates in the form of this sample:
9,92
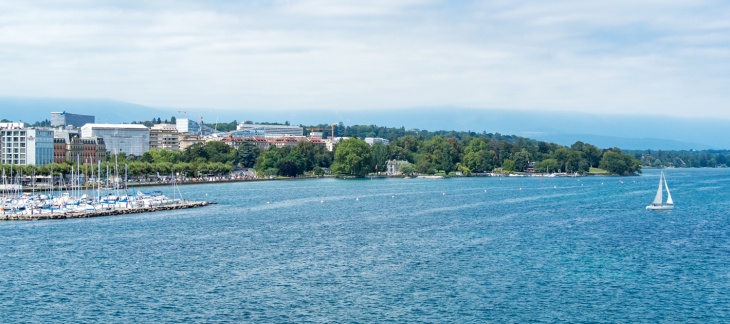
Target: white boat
657,203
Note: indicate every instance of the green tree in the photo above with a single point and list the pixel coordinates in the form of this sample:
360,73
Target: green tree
219,152
288,169
508,165
380,156
521,160
352,157
547,165
247,154
408,169
194,153
619,163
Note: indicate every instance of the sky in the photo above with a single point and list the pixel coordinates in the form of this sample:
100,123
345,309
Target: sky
653,57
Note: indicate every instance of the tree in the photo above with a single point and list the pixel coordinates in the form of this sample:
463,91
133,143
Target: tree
547,165
269,159
288,169
521,160
352,157
619,163
380,156
219,152
307,153
194,152
407,169
508,165
247,154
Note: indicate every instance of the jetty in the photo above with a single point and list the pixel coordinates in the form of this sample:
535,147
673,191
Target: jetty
31,216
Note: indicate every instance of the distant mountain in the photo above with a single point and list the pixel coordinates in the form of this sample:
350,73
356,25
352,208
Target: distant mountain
106,111
628,132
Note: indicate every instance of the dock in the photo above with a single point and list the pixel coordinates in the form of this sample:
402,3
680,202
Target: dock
10,216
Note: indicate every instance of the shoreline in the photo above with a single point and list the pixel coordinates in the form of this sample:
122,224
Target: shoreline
131,185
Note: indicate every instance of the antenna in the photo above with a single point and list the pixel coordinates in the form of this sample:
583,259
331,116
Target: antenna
185,113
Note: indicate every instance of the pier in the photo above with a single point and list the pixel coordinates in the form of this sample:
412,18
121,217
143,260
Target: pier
27,216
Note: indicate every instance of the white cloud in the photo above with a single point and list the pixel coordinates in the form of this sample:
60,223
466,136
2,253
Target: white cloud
668,57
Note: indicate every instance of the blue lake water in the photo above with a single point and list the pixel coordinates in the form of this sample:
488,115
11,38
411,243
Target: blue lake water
387,250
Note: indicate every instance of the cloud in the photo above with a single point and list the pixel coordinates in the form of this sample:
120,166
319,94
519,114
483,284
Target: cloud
653,57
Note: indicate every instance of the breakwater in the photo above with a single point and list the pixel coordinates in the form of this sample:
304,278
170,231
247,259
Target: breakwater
8,216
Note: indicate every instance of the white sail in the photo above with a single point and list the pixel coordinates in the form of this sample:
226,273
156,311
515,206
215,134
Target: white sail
657,203
669,195
658,197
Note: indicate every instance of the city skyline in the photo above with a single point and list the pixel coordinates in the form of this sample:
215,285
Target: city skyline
665,58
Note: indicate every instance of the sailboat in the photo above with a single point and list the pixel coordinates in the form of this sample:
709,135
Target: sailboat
657,203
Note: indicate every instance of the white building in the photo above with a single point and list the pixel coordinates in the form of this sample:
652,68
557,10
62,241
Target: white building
372,140
393,167
131,139
25,146
268,130
185,125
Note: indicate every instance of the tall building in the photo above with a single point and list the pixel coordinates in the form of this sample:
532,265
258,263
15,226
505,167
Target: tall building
66,119
25,146
185,125
131,139
164,137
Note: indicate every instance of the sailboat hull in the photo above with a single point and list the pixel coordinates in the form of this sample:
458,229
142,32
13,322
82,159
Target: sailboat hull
660,207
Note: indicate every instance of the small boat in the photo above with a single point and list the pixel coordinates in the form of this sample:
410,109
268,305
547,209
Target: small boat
657,203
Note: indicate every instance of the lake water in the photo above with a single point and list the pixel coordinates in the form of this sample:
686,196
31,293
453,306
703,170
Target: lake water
387,250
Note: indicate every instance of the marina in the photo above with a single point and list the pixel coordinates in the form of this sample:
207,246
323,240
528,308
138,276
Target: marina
29,215
76,200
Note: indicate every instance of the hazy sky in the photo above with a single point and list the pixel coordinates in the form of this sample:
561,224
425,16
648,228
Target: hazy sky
663,57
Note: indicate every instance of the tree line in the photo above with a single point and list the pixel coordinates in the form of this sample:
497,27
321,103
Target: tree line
427,152
683,159
439,155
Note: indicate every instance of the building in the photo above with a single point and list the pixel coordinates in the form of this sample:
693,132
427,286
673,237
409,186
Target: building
59,149
25,146
372,140
286,141
86,150
185,125
251,130
393,167
164,137
189,139
66,119
131,139
331,143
